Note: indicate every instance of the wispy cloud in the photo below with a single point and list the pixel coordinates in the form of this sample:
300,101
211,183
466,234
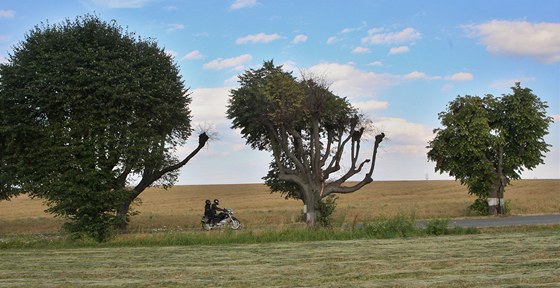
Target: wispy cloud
331,40
258,38
235,63
238,4
195,54
349,81
376,37
420,75
175,27
507,83
121,3
371,105
301,38
520,38
398,50
7,13
460,76
360,50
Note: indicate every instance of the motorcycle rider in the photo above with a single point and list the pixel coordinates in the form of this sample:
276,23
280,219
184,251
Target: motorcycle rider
215,208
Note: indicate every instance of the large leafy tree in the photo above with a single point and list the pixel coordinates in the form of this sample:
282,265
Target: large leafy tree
90,116
306,127
487,141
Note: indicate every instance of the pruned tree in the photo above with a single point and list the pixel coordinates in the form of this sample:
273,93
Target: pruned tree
486,142
307,129
90,116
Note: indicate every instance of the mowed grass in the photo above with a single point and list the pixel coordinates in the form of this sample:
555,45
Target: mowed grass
495,258
530,259
182,206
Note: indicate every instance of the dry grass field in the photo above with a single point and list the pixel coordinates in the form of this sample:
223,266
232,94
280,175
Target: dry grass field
181,206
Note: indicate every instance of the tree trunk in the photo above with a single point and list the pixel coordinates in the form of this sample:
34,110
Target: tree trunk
311,200
496,196
122,214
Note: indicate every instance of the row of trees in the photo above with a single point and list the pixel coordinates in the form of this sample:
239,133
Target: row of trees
90,116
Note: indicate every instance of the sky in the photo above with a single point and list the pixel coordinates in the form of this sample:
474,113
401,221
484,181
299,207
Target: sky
399,62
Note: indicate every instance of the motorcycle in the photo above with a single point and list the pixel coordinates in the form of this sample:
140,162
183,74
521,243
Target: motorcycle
228,221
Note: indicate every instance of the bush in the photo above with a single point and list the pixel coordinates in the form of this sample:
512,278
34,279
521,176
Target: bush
326,210
480,207
437,227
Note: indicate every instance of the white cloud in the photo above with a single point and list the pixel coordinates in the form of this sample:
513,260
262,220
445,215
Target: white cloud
376,63
420,75
175,27
399,50
371,105
520,38
221,63
556,118
195,54
348,81
7,13
3,60
360,50
238,4
258,38
121,3
301,38
460,76
406,35
404,137
508,83
332,40
209,105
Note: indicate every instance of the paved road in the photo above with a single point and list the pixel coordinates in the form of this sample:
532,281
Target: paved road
502,221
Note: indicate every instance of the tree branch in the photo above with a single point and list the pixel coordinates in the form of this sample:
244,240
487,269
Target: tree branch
336,186
150,177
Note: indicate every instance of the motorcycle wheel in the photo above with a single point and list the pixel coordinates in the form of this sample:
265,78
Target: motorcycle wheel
235,224
206,226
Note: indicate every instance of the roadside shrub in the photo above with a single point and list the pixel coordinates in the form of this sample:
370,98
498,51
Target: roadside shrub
399,226
437,227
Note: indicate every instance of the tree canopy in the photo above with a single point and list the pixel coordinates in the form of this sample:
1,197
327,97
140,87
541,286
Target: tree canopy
486,141
86,108
306,127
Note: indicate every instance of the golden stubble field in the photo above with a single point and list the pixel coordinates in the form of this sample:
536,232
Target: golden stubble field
181,206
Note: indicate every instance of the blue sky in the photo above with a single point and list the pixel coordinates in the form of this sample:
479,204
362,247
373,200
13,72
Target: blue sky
400,62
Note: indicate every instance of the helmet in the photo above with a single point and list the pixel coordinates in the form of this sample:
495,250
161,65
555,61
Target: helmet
208,201
216,201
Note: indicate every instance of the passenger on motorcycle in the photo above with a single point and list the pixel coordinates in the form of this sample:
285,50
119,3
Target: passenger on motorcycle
208,212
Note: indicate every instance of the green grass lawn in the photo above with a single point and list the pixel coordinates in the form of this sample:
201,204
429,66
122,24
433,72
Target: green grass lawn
506,259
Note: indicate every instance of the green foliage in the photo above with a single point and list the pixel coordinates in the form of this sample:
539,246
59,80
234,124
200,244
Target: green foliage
84,108
305,126
326,209
437,227
396,227
480,207
486,141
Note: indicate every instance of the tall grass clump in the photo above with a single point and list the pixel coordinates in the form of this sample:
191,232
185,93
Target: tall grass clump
385,228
